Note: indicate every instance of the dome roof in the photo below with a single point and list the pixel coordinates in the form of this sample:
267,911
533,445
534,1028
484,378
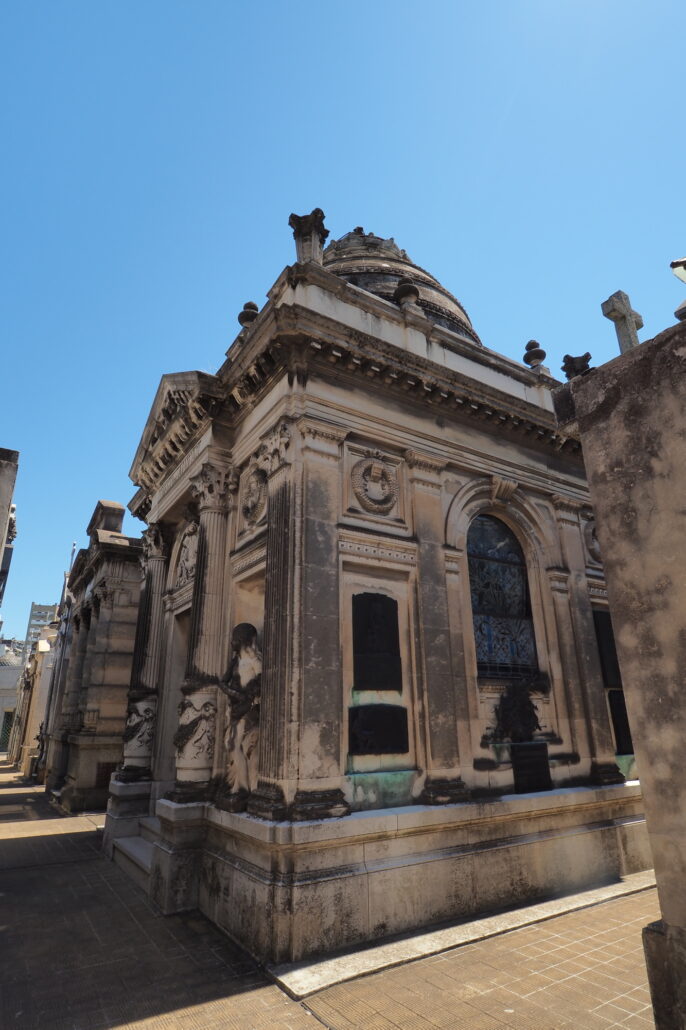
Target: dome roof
377,265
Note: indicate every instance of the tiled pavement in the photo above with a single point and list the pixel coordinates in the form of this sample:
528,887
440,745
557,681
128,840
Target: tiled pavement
83,949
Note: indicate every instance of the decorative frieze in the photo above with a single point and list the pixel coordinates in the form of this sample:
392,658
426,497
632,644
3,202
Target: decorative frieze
362,547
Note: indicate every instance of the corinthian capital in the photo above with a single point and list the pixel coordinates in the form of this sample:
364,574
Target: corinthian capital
211,485
154,545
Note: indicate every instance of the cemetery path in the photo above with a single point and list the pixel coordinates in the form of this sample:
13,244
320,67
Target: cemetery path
82,948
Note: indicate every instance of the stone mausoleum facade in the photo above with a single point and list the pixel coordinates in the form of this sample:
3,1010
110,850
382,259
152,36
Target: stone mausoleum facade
374,684
87,701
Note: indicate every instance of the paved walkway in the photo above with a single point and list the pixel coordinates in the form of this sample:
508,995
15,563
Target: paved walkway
81,948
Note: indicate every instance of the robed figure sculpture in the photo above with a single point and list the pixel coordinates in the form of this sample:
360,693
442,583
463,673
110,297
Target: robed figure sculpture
241,684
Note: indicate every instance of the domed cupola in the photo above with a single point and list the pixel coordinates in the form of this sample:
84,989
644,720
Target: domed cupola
378,265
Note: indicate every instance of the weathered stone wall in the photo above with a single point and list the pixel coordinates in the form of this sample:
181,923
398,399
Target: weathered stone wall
631,415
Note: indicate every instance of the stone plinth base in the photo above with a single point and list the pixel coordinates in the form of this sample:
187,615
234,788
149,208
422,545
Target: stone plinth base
665,952
127,804
176,861
92,760
288,890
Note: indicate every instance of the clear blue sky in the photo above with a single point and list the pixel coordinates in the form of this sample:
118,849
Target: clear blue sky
529,153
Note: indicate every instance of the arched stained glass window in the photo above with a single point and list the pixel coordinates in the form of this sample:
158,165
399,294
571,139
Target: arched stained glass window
501,608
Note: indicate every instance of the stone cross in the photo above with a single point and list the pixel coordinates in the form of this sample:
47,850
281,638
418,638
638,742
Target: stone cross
618,309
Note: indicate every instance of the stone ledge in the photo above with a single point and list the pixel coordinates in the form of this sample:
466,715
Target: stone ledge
300,979
416,818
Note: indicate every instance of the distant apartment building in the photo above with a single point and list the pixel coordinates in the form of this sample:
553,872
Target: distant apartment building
9,463
40,615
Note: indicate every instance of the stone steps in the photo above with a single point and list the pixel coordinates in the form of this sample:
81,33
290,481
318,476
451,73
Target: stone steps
134,856
150,828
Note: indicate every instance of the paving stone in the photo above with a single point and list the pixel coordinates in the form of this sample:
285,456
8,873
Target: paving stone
85,950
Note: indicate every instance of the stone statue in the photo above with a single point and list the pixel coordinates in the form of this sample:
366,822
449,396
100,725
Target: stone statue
516,715
242,684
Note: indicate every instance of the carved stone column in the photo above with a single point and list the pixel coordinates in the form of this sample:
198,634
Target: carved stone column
195,737
139,734
72,692
283,536
319,791
604,768
443,784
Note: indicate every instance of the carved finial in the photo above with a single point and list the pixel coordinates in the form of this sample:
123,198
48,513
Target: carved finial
406,292
248,314
534,355
576,366
618,309
309,235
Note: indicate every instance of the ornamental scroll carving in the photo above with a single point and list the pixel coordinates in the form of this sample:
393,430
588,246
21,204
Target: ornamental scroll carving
375,484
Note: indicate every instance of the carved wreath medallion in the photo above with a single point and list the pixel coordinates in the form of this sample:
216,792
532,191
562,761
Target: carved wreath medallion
375,484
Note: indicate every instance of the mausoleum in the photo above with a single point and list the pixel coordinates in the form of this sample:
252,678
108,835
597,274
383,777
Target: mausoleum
374,684
91,670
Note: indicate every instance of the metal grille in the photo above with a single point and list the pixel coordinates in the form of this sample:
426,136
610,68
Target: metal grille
503,630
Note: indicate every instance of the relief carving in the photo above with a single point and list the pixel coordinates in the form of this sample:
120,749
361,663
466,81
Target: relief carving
140,729
188,556
195,736
591,541
375,484
271,454
242,684
254,503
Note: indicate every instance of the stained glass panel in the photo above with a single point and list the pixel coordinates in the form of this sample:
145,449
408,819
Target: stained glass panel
503,630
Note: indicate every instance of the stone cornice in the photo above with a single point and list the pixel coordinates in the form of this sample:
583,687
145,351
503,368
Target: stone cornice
290,338
306,341
185,402
89,561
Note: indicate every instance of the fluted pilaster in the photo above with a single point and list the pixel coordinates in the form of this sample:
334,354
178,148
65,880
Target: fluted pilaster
195,737
139,733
